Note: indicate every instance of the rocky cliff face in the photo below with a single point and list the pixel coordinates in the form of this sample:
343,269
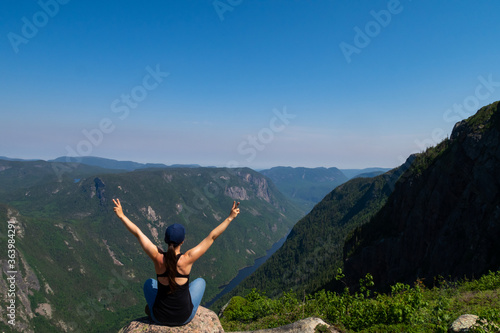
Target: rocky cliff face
19,281
443,218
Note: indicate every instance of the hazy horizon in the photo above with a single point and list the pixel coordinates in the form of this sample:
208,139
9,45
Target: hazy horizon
75,159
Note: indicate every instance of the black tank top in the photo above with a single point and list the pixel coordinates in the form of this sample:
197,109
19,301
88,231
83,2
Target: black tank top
173,309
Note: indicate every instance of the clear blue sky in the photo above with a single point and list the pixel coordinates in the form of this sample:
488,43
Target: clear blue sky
349,84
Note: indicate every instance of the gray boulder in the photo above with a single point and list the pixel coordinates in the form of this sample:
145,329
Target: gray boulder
205,321
307,325
466,322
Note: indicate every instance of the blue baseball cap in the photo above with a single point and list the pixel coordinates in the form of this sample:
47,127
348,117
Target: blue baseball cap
175,233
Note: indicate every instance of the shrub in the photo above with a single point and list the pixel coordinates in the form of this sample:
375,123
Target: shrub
405,309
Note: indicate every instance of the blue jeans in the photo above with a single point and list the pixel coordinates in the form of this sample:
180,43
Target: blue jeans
196,289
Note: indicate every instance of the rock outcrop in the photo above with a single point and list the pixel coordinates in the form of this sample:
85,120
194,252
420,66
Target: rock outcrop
443,218
205,321
468,322
307,325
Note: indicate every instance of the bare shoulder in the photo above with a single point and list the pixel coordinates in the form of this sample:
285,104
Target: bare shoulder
184,264
158,260
183,259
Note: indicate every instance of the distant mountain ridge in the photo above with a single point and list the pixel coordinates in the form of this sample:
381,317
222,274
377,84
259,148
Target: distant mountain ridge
366,172
115,164
107,163
306,186
15,159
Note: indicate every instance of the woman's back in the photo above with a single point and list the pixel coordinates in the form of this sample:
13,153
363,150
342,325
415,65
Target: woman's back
183,270
173,307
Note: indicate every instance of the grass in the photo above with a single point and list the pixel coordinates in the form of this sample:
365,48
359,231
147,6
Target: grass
406,308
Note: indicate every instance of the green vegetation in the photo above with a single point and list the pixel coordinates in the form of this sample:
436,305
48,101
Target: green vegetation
405,309
424,160
483,119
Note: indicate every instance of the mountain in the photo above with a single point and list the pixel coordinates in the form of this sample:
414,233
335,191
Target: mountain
367,172
306,186
114,164
313,251
443,218
16,175
78,267
370,174
15,159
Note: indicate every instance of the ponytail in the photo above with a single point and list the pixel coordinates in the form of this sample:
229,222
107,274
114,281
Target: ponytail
171,263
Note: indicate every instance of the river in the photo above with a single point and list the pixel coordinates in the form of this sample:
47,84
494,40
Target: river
244,272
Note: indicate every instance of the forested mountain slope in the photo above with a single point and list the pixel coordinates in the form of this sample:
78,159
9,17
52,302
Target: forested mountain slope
443,218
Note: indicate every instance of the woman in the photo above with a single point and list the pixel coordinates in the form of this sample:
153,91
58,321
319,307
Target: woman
171,299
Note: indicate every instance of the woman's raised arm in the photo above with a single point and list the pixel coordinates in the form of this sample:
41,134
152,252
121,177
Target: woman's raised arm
196,252
148,247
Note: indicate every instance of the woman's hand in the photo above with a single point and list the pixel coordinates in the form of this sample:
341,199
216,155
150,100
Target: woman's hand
235,210
118,208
